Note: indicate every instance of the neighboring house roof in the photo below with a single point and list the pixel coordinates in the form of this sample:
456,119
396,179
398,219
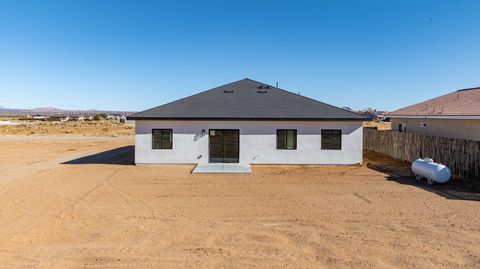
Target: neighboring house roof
369,114
462,103
372,113
246,99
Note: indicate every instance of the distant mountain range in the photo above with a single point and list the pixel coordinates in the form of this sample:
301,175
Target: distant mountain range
49,111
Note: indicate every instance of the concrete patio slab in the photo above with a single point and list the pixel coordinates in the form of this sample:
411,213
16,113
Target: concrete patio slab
223,168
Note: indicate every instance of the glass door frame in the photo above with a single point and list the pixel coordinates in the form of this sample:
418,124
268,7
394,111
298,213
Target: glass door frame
237,150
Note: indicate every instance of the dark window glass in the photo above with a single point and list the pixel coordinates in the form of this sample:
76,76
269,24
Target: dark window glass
286,139
162,138
400,128
332,139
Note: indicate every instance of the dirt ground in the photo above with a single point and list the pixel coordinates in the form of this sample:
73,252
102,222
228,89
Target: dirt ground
78,202
84,128
381,125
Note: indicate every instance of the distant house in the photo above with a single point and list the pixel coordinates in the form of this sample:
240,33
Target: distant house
88,118
76,118
39,117
455,115
58,118
373,115
248,122
115,117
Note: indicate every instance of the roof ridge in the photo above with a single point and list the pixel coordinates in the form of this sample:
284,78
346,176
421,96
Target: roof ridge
211,104
468,89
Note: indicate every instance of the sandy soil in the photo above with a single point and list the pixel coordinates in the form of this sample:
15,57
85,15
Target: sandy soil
77,202
87,128
384,126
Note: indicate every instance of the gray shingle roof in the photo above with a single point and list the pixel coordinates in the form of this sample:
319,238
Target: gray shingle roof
246,99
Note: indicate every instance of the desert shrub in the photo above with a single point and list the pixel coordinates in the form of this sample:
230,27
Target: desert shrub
100,116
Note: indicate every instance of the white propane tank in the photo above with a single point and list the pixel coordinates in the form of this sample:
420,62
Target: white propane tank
433,172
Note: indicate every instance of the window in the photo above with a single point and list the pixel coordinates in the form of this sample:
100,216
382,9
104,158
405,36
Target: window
286,139
331,139
400,127
162,138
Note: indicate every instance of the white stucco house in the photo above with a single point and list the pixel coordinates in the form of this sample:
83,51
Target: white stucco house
247,122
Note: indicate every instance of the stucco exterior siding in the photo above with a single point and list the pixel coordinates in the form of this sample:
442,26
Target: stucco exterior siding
454,128
257,142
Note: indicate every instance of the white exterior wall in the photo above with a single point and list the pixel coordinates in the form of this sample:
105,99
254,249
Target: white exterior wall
257,142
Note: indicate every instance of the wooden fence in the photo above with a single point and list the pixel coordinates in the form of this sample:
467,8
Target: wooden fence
460,155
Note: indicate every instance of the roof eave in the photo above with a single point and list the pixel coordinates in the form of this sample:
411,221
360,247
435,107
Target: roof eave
456,117
244,119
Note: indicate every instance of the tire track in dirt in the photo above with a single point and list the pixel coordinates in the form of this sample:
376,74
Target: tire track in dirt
82,198
125,194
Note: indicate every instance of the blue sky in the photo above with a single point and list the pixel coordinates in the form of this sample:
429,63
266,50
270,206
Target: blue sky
133,55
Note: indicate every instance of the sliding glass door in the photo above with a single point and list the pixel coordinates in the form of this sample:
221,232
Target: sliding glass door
223,146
